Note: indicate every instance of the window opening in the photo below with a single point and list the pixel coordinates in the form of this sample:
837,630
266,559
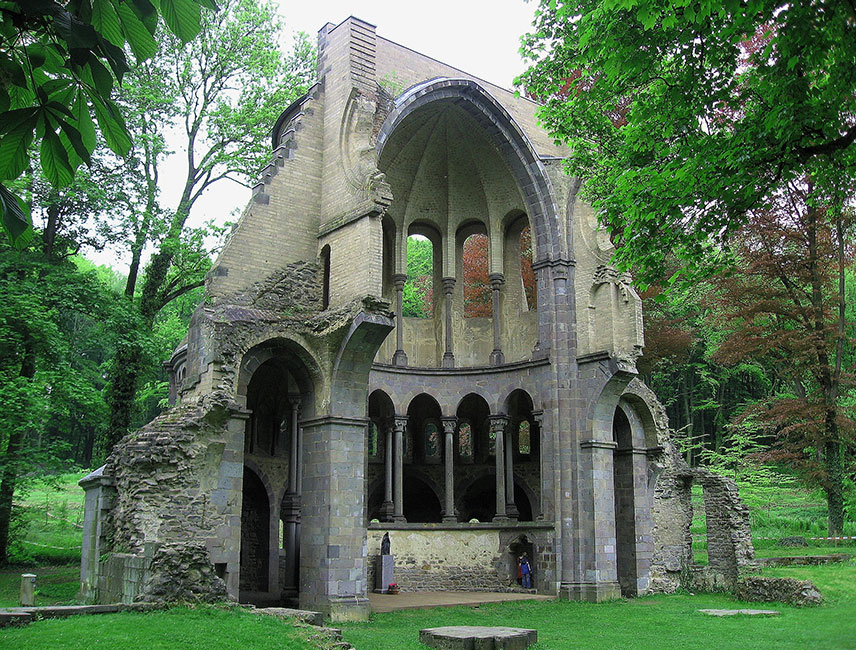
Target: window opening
524,446
527,273
418,296
478,299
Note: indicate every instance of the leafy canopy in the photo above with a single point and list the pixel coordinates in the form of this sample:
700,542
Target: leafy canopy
59,63
682,115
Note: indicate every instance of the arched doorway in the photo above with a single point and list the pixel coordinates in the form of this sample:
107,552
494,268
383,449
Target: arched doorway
255,537
625,500
278,389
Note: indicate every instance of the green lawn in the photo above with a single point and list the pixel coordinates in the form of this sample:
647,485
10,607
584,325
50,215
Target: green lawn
651,622
55,585
204,628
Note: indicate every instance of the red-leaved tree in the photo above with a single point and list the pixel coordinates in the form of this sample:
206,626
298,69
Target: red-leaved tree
786,307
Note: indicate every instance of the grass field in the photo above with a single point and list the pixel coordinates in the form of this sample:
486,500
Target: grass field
51,515
51,550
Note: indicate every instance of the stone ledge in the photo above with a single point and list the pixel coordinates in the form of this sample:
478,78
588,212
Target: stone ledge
462,525
740,612
478,638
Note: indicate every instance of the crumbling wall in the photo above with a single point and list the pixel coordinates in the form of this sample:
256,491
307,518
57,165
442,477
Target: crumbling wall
729,536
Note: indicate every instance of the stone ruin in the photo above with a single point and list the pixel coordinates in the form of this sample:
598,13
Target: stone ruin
310,415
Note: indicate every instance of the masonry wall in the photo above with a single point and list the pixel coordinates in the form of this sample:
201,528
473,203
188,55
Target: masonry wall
280,224
461,559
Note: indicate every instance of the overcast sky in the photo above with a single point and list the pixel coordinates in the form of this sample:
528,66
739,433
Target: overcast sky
480,37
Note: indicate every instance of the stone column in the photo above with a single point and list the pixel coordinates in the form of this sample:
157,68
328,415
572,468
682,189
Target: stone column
538,421
449,425
387,509
497,426
497,358
399,425
399,358
448,355
599,575
291,505
332,551
292,456
510,506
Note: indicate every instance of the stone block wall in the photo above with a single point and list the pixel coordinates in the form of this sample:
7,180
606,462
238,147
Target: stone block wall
461,558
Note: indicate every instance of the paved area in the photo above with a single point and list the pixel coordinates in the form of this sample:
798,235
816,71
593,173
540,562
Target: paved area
426,599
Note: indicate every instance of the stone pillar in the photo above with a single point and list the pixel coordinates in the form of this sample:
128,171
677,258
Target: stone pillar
497,426
448,355
497,358
399,358
333,551
225,546
387,508
291,506
510,506
599,575
292,456
99,493
399,425
449,425
538,422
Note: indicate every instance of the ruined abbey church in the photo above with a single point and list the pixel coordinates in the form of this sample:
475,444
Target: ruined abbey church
311,415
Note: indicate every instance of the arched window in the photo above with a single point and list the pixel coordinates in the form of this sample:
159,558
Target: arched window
325,283
465,442
524,444
418,297
432,442
477,291
527,273
373,441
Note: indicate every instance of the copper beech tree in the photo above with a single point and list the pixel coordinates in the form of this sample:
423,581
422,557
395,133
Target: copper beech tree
785,306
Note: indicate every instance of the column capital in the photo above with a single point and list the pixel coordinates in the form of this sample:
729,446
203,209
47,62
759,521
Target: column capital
449,424
448,285
498,422
496,280
398,280
538,417
399,423
294,399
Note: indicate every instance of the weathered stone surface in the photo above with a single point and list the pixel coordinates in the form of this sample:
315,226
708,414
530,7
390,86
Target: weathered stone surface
478,638
183,572
302,615
786,590
740,612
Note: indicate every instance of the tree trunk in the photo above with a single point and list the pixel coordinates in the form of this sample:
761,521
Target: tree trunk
11,461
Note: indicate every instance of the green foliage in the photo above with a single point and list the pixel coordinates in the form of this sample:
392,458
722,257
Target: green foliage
418,293
683,116
60,62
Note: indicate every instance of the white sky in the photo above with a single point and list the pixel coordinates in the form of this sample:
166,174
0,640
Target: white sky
481,37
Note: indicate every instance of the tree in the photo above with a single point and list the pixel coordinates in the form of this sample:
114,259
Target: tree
222,92
787,307
478,295
721,106
59,62
50,379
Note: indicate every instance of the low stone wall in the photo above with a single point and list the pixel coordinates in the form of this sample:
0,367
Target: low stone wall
122,576
784,590
458,558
